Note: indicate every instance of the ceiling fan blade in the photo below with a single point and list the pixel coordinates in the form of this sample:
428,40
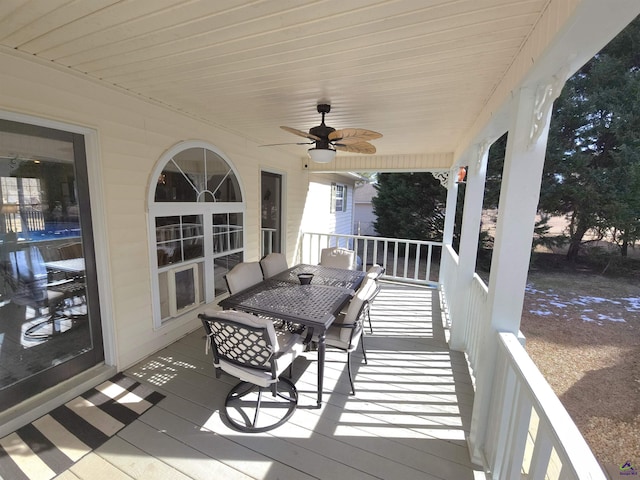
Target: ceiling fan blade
361,147
295,131
353,135
290,143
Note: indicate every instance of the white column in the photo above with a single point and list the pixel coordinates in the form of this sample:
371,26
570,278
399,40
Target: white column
519,194
450,209
468,251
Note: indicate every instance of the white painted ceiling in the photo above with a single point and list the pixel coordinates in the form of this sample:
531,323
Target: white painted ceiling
417,71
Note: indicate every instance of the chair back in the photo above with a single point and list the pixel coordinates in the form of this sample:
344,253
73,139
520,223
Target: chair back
273,264
70,250
241,342
243,276
27,277
354,312
375,271
338,258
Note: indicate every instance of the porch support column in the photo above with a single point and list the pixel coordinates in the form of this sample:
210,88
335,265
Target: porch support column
469,234
450,209
519,195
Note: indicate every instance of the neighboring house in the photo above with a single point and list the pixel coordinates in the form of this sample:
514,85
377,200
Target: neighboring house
364,218
329,206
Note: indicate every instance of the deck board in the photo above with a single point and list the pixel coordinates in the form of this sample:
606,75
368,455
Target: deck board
409,417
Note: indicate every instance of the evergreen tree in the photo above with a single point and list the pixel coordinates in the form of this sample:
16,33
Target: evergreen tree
591,167
409,205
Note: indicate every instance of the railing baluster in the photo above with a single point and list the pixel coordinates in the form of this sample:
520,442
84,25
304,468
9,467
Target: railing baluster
542,448
375,251
417,264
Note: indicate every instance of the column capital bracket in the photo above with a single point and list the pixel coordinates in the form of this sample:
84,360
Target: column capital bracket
545,95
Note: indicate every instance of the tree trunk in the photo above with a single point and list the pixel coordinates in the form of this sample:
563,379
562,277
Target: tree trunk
575,241
624,249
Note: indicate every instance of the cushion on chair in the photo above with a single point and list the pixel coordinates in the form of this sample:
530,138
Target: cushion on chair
341,337
338,258
243,276
273,264
284,346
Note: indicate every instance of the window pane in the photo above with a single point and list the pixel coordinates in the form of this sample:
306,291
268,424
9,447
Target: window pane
227,232
220,268
197,174
179,239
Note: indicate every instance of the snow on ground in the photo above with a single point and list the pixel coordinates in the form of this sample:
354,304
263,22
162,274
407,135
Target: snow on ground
545,299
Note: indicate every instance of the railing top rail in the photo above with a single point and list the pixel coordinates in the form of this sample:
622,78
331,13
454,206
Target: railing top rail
371,237
544,400
480,283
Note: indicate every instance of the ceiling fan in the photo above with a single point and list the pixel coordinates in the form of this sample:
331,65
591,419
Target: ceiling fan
328,139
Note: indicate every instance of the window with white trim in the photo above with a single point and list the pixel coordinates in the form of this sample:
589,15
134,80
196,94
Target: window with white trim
338,198
196,214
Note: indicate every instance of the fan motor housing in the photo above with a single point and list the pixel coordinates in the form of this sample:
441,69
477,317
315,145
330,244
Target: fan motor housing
322,130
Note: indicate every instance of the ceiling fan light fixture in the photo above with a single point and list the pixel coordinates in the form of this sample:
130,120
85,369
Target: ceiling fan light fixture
322,155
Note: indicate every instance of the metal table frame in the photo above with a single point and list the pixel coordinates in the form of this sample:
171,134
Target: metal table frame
315,306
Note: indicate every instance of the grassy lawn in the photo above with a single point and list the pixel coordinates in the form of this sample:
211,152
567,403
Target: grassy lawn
583,332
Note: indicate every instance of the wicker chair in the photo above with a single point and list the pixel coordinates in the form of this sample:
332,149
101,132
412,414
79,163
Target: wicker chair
249,348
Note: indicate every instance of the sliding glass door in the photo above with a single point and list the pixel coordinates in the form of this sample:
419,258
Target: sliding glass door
49,315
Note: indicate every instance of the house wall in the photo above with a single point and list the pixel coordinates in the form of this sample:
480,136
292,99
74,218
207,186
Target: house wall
131,135
363,216
317,217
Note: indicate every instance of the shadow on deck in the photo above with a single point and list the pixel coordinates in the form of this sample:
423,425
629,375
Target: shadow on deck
408,419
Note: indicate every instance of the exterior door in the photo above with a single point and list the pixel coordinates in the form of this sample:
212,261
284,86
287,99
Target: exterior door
271,226
49,316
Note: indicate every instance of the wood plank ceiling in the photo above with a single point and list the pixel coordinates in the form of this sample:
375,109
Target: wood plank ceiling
418,71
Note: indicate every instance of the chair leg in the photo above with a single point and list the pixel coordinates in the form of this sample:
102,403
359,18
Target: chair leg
364,351
369,318
353,389
255,417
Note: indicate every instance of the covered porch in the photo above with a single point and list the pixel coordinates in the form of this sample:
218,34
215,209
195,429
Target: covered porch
135,83
409,418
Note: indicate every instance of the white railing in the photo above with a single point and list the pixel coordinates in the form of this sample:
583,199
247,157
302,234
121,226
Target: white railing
266,241
477,320
403,260
448,279
530,434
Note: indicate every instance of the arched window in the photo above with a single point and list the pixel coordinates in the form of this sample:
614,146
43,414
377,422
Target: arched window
196,215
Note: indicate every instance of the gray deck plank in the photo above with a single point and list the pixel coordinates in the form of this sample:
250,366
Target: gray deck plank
136,462
187,460
408,419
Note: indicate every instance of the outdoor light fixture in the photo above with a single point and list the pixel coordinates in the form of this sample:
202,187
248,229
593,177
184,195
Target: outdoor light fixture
322,155
462,172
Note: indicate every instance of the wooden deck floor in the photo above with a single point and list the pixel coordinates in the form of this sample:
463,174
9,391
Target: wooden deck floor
407,420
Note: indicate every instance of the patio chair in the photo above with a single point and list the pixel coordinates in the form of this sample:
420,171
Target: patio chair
70,250
243,276
347,330
273,264
338,258
26,275
375,272
249,348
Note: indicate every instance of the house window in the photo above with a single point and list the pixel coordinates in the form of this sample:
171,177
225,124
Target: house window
197,222
338,198
22,204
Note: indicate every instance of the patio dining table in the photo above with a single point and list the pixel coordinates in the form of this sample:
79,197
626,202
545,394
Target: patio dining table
315,305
